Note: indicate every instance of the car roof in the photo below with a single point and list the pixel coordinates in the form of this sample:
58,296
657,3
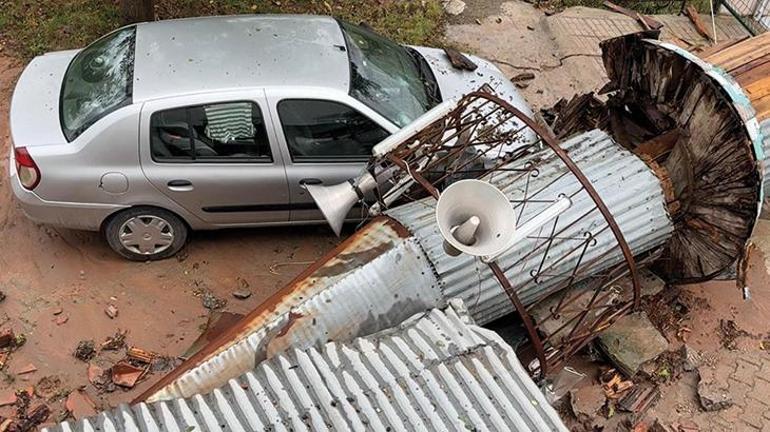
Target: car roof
193,55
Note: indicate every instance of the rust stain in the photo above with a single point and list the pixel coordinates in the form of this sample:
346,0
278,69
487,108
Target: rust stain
293,317
349,261
384,227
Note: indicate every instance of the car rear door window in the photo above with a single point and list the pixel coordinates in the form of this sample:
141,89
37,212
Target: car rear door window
318,130
221,132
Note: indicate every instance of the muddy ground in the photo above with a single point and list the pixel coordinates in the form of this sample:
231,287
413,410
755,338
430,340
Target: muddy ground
44,269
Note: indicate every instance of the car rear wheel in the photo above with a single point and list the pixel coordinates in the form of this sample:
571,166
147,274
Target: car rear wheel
146,233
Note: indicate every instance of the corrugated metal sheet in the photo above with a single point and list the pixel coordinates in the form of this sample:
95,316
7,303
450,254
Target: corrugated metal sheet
383,277
628,187
436,371
373,283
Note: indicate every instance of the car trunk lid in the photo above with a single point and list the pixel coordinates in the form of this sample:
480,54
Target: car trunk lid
35,102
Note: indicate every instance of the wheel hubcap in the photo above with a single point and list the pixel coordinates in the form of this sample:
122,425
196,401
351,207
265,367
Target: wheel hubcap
146,234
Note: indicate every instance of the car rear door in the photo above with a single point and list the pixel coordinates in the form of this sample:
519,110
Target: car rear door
217,156
325,139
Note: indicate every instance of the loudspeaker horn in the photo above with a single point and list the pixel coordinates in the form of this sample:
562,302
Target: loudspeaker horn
475,218
335,201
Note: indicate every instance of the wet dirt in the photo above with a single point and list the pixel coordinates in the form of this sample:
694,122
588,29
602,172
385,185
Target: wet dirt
49,273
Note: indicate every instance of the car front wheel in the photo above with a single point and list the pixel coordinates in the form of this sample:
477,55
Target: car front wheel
146,233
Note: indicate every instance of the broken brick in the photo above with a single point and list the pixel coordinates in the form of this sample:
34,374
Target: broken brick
80,404
126,375
8,398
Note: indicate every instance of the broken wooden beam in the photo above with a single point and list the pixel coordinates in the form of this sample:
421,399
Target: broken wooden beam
697,22
645,21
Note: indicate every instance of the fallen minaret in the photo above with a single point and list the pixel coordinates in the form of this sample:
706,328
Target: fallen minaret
435,371
669,176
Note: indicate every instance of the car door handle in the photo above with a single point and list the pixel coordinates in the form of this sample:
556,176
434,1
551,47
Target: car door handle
310,181
180,185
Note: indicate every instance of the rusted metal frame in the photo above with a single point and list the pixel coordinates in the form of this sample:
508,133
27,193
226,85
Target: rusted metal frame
600,324
460,128
548,245
574,274
555,344
525,201
569,253
485,171
591,192
570,347
479,155
612,279
415,175
523,314
537,247
500,275
604,320
586,310
554,314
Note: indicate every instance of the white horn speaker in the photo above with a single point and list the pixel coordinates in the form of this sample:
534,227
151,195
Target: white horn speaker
335,201
475,218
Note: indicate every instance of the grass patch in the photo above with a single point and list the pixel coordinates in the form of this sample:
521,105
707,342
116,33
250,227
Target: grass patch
32,27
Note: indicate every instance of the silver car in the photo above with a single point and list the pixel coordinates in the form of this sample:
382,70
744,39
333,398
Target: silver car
159,128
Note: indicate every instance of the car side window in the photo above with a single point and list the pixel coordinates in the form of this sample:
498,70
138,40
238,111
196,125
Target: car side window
319,130
221,132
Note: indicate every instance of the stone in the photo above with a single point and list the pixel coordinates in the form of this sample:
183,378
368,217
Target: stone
632,341
691,358
454,7
585,402
712,395
242,294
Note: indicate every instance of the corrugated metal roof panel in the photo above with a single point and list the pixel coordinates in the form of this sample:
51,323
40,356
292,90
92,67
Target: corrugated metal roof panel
372,284
628,187
435,371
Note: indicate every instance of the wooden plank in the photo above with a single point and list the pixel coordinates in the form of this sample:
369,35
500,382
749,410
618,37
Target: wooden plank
741,49
705,53
645,21
658,146
762,107
697,22
757,89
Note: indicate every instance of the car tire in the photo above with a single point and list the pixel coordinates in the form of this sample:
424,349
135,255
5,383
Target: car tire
145,233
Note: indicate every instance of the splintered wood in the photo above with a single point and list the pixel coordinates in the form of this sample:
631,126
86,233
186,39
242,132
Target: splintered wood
668,108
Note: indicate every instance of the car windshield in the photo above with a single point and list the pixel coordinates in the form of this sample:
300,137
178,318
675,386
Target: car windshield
387,77
98,81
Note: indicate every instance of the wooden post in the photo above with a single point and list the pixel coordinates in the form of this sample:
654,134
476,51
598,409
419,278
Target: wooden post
134,11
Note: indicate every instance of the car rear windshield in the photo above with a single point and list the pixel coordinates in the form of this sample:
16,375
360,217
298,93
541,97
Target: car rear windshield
388,77
98,81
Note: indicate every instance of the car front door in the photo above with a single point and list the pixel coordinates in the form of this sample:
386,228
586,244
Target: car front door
216,156
325,141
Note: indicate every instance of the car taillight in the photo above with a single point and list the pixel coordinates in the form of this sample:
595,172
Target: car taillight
26,168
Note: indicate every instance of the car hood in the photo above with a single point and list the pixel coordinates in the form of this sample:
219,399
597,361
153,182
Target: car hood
35,102
454,82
